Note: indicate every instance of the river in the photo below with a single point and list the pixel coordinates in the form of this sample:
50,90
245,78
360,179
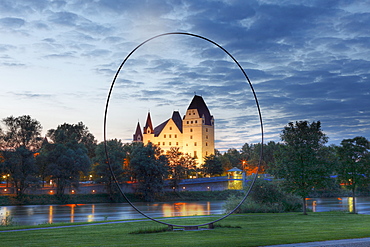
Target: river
41,214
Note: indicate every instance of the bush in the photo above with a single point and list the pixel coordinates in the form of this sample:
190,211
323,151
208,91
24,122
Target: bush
265,197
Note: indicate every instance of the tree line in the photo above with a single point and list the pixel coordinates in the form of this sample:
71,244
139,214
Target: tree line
70,153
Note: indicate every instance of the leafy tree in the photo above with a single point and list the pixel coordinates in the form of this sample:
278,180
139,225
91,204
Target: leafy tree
353,168
22,131
117,155
68,156
74,132
66,163
179,165
230,159
212,165
20,164
149,169
302,161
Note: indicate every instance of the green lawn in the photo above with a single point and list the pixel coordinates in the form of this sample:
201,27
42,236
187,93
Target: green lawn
256,230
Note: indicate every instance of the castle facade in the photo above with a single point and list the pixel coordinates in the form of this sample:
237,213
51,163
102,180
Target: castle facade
193,134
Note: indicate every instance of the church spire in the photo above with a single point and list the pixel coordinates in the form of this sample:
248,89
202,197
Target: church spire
148,128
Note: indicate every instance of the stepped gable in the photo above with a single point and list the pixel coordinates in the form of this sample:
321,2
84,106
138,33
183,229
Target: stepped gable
199,104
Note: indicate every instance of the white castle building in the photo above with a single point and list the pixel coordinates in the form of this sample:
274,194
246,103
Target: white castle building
193,134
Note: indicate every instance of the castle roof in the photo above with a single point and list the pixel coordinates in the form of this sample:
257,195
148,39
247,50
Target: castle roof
199,104
138,136
177,120
148,124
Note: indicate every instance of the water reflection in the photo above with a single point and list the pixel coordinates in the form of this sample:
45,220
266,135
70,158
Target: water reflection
339,204
40,214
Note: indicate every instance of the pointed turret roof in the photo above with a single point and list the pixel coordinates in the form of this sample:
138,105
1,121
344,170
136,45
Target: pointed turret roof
148,125
199,104
138,136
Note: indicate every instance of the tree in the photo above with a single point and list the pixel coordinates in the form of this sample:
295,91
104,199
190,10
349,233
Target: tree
212,165
22,131
302,161
20,164
230,159
66,163
179,166
353,168
149,169
117,156
74,132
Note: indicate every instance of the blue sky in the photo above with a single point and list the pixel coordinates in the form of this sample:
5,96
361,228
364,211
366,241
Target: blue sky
307,60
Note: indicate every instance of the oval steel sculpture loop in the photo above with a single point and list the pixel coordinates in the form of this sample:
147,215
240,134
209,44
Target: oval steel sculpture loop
105,123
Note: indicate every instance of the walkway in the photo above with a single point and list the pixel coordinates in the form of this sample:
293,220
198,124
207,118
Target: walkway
358,242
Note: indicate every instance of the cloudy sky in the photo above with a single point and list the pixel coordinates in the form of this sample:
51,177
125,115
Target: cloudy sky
307,60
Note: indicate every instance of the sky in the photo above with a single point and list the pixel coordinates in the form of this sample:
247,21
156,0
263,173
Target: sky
307,61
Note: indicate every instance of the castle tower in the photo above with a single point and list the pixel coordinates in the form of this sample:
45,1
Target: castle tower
198,130
148,133
138,136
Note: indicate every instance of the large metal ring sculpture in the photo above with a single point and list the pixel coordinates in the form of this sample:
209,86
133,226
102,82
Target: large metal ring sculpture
210,224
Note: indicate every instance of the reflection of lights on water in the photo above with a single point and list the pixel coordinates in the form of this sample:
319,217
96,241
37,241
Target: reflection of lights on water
4,212
50,214
184,209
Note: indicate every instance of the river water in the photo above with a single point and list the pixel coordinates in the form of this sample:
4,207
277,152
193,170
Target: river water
41,214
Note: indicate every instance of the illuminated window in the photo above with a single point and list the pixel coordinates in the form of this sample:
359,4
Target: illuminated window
159,143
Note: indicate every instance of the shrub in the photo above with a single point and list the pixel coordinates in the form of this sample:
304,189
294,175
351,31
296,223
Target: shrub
265,197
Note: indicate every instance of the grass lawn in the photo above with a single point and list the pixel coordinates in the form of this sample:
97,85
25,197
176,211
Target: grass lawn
255,230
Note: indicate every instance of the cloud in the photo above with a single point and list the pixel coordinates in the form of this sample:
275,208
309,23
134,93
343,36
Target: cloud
10,22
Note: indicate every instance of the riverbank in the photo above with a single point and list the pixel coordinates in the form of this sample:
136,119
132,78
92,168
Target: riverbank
11,200
236,230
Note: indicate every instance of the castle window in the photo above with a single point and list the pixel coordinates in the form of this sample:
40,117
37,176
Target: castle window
191,130
169,143
164,136
163,143
206,143
206,153
186,144
187,122
159,143
191,137
175,136
177,143
189,113
193,113
191,122
195,143
206,137
206,129
169,136
170,128
195,154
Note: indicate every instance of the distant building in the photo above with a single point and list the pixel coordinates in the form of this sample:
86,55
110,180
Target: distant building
194,134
